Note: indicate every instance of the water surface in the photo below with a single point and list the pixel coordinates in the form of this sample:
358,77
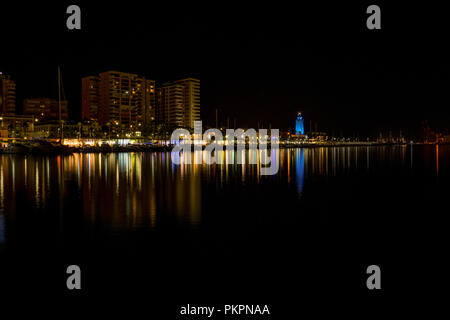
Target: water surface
141,212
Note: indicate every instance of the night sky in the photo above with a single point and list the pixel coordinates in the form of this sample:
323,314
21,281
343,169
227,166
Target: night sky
258,63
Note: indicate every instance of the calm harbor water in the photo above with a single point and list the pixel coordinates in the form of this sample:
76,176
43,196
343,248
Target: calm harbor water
130,191
353,204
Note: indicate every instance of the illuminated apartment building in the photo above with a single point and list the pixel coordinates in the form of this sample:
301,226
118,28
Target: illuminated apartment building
170,105
7,95
45,108
89,98
118,98
179,103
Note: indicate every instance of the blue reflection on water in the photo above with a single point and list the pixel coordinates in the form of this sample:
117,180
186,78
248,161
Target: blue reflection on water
2,229
300,170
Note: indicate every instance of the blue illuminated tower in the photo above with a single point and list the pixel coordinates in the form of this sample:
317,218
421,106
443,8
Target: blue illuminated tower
299,127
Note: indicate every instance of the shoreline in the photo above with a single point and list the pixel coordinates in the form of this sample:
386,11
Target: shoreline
50,149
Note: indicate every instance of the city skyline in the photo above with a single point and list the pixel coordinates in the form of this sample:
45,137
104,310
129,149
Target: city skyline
191,160
114,97
23,108
341,76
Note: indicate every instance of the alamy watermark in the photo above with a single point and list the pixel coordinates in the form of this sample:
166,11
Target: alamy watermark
238,140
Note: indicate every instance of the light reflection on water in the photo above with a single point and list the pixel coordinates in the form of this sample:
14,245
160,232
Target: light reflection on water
133,190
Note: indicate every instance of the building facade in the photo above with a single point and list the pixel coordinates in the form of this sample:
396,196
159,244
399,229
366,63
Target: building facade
170,105
119,99
178,103
89,98
45,109
14,126
7,95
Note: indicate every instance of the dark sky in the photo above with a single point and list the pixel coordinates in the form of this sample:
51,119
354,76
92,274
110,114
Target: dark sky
258,62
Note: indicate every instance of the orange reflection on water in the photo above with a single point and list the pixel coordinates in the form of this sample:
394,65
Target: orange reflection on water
133,190
437,159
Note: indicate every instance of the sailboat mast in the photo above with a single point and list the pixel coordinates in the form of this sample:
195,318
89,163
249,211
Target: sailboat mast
59,104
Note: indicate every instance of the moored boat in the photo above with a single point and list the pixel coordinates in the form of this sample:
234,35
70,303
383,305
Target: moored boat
16,148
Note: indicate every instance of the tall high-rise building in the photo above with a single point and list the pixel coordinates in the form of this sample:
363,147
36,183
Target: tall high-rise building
191,96
118,98
149,112
45,108
89,98
7,95
179,103
170,105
